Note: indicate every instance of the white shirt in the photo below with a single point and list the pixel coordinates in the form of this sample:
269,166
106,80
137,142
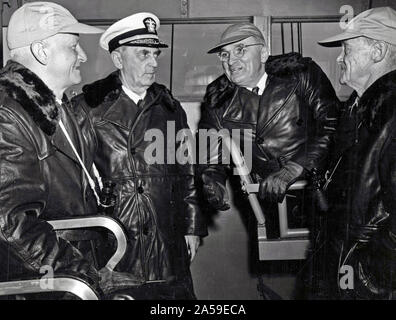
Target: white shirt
133,95
260,84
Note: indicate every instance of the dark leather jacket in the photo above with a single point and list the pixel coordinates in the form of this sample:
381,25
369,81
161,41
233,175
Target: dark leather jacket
155,202
40,179
363,190
294,119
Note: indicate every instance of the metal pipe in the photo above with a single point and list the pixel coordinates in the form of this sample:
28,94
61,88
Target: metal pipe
292,36
219,20
283,39
307,19
299,37
171,60
243,172
1,33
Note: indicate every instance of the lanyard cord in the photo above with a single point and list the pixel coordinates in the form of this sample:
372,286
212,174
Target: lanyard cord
90,180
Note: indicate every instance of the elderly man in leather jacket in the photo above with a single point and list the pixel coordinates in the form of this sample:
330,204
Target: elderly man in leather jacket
40,176
285,106
156,201
361,249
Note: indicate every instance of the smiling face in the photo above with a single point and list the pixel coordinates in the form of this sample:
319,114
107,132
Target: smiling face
65,56
355,62
247,70
138,66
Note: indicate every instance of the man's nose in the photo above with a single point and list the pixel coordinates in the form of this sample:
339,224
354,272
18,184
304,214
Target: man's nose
82,56
232,58
153,61
340,57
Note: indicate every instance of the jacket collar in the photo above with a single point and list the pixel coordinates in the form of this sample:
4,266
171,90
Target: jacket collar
286,65
109,89
378,101
32,94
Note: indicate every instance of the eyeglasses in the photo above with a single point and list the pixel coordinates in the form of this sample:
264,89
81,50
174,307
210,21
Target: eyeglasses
238,51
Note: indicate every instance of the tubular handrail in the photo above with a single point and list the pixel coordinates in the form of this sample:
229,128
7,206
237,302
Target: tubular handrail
97,221
66,283
57,284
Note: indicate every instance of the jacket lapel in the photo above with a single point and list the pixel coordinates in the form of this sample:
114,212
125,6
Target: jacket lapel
60,141
274,98
122,112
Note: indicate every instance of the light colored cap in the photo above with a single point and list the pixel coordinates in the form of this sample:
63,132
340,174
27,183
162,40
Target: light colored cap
138,30
39,20
377,23
235,33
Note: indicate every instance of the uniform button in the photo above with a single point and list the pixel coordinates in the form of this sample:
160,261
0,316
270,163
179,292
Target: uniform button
140,189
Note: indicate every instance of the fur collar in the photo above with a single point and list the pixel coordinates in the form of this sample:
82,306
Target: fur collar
286,65
107,90
25,87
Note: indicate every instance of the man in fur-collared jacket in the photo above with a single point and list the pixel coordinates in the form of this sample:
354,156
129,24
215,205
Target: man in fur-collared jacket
155,192
40,176
361,246
286,107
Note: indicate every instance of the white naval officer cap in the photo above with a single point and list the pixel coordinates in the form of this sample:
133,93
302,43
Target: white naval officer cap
137,30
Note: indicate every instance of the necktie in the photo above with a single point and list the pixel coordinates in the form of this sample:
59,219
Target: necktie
255,90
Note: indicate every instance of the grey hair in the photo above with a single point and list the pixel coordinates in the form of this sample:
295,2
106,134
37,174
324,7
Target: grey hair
20,54
391,55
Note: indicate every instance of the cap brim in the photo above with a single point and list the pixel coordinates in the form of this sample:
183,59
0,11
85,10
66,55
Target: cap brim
81,28
335,41
228,41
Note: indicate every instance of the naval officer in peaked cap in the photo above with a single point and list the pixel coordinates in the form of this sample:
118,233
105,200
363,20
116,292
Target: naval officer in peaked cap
155,200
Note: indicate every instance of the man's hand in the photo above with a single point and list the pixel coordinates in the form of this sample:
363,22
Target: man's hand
192,245
274,187
216,193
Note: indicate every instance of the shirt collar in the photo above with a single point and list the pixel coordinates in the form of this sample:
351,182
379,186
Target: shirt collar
260,84
133,95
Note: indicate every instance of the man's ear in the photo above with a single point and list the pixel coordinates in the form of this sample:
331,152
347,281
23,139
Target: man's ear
39,52
117,59
264,54
379,51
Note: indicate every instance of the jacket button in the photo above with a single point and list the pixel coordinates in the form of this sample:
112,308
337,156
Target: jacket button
140,189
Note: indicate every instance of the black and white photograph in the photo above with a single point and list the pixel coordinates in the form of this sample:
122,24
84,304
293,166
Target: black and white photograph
198,155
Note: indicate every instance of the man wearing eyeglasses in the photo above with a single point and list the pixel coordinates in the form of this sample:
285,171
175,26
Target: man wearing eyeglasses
287,103
156,201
